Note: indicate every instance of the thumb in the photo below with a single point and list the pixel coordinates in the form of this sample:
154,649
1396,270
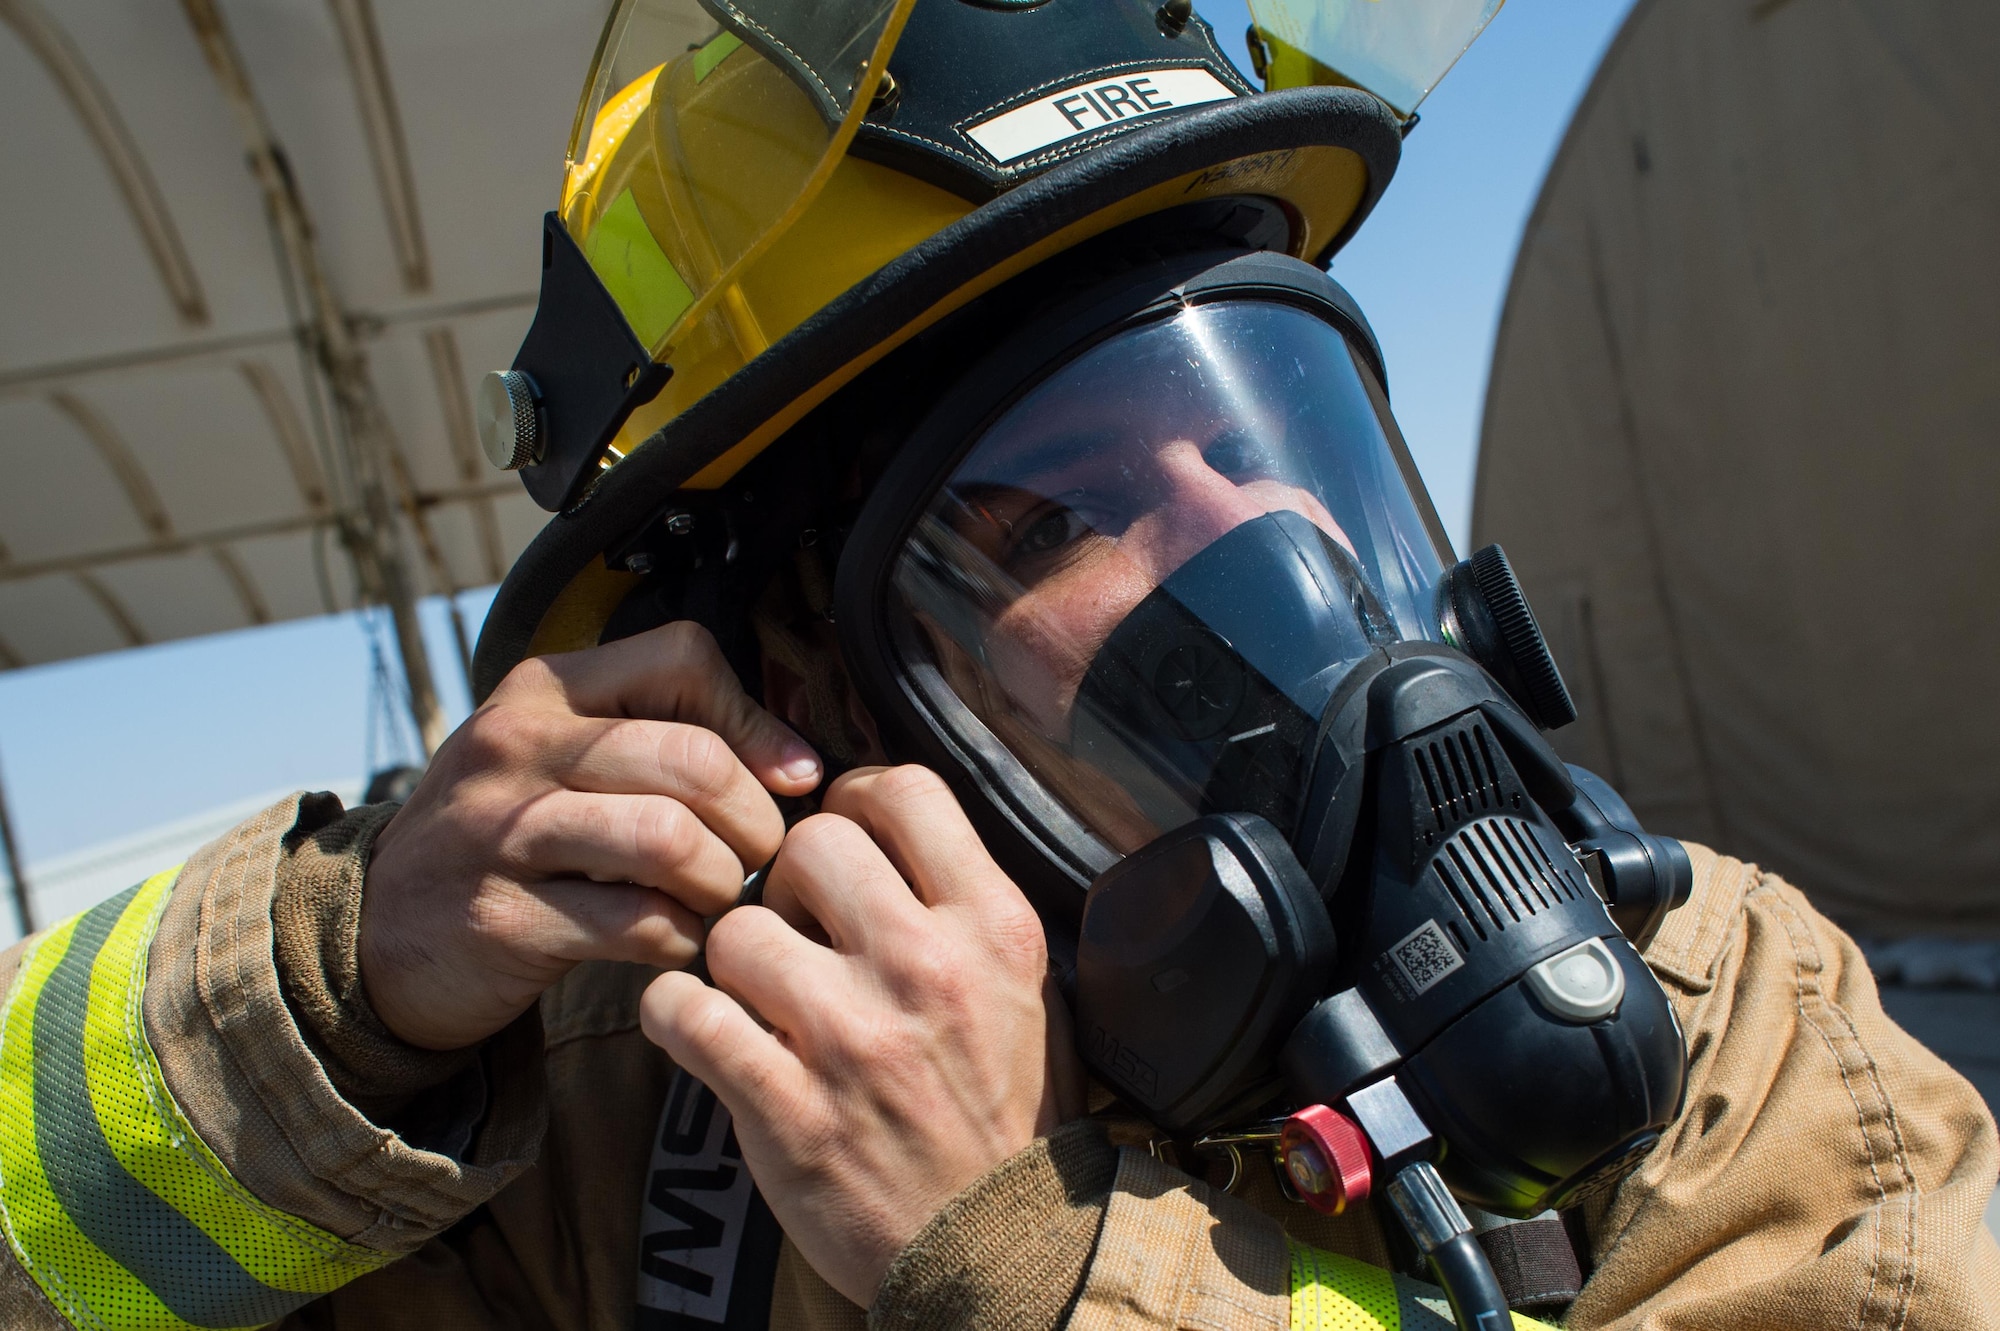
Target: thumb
772,750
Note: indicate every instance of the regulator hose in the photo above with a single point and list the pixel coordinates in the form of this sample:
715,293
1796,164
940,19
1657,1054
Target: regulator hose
1438,1224
1469,1284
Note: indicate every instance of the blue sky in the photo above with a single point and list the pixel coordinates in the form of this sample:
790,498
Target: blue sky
94,749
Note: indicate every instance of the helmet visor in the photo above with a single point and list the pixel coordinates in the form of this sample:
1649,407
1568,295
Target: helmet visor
706,127
1396,49
1149,574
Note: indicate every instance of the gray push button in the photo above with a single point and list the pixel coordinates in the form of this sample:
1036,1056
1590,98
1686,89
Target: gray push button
1583,984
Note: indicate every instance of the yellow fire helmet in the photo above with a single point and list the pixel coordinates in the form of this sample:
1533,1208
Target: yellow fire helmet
766,202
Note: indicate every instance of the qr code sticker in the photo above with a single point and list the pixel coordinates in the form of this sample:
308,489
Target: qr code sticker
1426,956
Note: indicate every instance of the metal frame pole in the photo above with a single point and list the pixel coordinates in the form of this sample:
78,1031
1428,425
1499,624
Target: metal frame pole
24,905
368,527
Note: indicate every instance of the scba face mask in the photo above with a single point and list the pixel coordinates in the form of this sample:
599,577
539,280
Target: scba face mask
1157,585
1151,571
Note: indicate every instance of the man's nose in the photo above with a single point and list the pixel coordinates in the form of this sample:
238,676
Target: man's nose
1199,505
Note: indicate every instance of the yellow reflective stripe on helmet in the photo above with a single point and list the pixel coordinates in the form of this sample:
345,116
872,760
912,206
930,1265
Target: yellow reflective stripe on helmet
719,49
636,271
111,1202
1335,1293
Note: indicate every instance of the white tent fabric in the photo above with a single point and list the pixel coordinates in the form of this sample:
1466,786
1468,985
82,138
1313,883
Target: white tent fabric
69,884
163,453
1742,441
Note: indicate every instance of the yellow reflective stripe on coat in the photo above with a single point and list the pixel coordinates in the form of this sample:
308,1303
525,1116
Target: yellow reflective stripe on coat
1335,1293
111,1203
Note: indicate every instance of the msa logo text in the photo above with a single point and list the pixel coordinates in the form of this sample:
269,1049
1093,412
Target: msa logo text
1120,1063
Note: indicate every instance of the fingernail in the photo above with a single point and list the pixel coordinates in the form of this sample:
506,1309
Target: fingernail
799,763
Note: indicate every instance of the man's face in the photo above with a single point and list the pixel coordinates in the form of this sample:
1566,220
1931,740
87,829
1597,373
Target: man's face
1088,493
1086,501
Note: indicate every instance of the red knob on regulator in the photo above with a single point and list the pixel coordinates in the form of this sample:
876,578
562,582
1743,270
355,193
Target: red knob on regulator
1326,1156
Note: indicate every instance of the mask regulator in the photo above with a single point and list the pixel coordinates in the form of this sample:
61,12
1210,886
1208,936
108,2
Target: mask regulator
1437,969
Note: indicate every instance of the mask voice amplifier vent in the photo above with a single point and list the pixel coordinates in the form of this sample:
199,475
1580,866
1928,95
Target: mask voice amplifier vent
1460,777
1499,875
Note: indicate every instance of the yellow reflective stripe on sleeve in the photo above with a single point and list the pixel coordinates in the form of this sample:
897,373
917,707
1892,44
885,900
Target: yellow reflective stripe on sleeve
159,1147
112,1203
1335,1293
76,1277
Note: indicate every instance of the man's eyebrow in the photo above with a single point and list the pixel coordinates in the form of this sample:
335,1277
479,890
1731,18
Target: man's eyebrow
972,498
1014,471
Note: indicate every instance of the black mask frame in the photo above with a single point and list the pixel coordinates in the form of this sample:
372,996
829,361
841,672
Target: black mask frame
1040,843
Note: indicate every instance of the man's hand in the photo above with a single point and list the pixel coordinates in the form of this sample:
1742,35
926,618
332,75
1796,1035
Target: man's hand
597,807
889,1067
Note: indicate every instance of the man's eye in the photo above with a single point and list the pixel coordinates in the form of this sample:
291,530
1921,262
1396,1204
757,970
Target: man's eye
1052,530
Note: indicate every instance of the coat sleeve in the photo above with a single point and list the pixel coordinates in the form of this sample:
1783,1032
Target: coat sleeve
1826,1170
178,1149
1075,1233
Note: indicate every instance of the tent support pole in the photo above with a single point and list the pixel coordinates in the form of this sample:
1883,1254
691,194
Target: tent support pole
24,906
365,441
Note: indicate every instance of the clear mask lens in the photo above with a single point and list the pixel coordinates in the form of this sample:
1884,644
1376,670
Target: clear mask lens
1147,577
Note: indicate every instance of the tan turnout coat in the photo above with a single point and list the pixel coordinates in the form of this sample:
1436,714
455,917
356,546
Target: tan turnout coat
1827,1172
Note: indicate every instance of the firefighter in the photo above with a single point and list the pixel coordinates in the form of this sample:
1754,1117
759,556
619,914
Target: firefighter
953,437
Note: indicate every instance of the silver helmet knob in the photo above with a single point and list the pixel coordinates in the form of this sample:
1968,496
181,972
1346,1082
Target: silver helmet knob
510,423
